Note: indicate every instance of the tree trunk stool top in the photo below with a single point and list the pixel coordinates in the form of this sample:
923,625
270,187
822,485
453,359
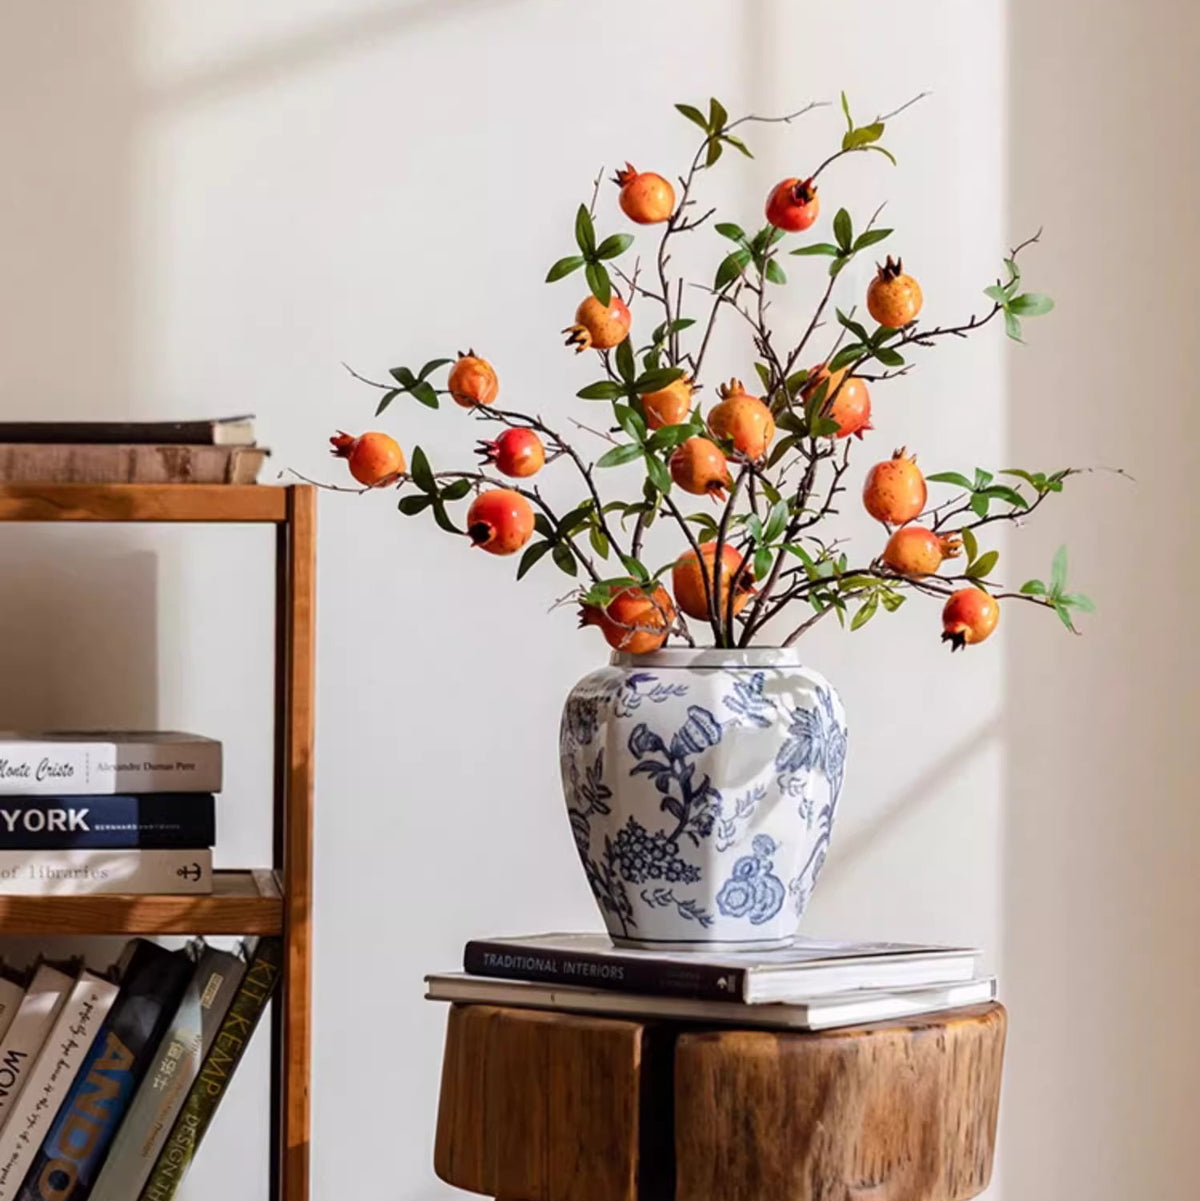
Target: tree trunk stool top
546,1106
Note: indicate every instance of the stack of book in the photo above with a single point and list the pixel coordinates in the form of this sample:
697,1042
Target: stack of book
219,451
109,1080
811,985
107,812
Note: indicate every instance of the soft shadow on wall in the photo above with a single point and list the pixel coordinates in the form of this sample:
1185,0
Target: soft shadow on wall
1103,832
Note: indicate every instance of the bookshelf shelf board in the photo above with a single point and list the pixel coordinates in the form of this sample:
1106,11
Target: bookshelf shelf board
244,902
144,502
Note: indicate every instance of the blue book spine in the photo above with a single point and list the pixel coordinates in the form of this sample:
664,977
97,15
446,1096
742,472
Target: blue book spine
177,819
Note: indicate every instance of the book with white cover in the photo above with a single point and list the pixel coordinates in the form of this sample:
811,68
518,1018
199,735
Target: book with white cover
86,762
51,1077
819,1013
11,995
82,873
44,998
809,967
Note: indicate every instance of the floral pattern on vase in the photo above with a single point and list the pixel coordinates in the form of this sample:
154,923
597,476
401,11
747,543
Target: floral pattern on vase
701,789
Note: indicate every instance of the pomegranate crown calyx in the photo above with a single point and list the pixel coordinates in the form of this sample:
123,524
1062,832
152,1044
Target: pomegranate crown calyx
804,191
733,388
341,444
902,455
625,175
891,268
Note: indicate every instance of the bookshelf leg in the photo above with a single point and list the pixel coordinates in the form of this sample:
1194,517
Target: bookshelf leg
292,1021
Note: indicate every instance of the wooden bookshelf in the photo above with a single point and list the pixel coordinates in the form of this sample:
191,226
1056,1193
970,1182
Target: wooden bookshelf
269,901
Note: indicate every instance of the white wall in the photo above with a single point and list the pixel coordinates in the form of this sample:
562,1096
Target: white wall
208,206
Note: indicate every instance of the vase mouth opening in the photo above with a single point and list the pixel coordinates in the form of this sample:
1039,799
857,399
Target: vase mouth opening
691,657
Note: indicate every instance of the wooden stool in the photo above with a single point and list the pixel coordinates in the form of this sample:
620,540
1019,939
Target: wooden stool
545,1106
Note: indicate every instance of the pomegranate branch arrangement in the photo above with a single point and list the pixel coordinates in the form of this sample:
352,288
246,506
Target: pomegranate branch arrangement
702,783
774,463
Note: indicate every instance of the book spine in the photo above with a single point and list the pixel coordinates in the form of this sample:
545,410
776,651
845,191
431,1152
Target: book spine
51,1076
11,995
175,1065
85,873
44,999
218,1067
622,973
112,463
180,819
75,1146
108,766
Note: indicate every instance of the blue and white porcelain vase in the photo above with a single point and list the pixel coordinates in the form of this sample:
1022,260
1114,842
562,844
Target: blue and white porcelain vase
702,787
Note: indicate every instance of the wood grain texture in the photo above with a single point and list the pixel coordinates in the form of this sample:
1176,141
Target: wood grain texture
540,1106
143,502
903,1112
239,904
294,831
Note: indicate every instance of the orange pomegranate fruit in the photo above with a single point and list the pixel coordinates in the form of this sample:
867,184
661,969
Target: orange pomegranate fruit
793,204
374,459
688,580
500,521
645,197
970,616
517,452
915,551
631,621
599,326
742,419
473,381
669,405
847,401
698,466
894,490
893,298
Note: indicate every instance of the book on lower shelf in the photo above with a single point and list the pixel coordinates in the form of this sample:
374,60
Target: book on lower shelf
116,1074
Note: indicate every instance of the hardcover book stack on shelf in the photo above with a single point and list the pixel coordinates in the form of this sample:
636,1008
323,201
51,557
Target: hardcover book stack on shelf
219,451
107,813
110,1079
811,985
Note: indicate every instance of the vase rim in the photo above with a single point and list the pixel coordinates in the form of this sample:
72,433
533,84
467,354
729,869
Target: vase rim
686,656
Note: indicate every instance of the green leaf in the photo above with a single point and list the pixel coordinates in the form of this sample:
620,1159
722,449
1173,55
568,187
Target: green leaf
541,523
717,116
631,422
531,556
564,267
982,478
846,356
658,473
599,282
889,357
625,453
707,525
575,520
669,437
585,231
412,505
626,367
1077,600
443,518
423,391
731,267
979,504
774,272
1058,571
1064,615
870,237
776,521
762,562
892,600
1033,588
982,567
421,472
655,381
950,477
403,377
856,139
843,229
1005,493
887,154
604,389
764,374
385,400
846,110
714,152
818,248
635,568
614,245
970,545
564,559
996,293
727,229
694,115
866,612
737,143
770,491
432,366
824,427
855,327
1027,476
1012,326
1031,304
456,490
599,541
